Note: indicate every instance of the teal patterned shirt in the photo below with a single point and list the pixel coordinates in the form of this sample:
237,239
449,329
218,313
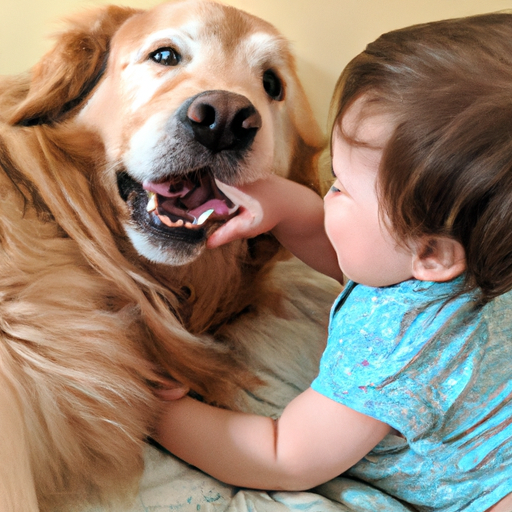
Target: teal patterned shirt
439,372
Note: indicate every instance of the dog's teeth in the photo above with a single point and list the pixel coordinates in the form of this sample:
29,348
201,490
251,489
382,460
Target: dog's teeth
204,216
168,222
152,205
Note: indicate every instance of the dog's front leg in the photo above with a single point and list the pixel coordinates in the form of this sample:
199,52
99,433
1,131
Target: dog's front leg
17,490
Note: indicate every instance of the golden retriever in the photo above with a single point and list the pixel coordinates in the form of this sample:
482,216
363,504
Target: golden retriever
110,153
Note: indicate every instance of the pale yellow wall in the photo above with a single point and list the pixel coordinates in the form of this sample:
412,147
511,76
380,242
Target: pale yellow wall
325,33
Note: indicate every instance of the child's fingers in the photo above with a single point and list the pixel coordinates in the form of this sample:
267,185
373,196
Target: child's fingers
171,389
172,394
251,219
220,237
236,228
247,224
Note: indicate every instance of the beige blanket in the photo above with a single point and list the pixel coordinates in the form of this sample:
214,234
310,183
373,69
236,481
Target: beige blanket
285,350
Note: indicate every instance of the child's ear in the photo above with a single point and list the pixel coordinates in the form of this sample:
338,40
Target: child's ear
438,259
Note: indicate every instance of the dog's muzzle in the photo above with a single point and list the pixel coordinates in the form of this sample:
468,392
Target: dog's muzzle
213,131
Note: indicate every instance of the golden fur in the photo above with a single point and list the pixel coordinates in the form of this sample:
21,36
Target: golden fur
94,310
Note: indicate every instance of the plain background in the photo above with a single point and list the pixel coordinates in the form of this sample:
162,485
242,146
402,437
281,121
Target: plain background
325,34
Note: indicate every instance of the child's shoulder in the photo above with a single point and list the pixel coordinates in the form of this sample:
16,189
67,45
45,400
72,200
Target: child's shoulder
410,308
407,294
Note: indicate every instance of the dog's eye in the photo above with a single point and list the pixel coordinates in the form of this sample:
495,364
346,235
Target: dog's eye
272,85
166,56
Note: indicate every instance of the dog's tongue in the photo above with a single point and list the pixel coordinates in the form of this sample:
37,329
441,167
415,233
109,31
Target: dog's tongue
193,194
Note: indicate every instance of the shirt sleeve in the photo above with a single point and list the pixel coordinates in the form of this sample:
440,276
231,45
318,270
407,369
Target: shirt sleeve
381,353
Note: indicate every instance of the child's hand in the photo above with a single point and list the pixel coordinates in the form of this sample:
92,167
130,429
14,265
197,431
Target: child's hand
171,390
292,212
257,213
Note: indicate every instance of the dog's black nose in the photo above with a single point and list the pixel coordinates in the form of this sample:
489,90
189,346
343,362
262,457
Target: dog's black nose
221,120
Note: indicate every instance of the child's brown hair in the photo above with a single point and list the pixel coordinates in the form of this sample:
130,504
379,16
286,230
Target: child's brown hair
447,168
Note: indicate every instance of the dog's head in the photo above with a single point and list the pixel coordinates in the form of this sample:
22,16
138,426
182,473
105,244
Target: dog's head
182,96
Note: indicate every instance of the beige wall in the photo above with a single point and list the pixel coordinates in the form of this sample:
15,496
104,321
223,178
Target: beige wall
325,33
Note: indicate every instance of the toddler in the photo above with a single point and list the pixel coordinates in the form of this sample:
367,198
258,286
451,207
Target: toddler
414,391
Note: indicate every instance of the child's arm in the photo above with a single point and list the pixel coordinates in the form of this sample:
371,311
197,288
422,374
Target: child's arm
293,213
315,439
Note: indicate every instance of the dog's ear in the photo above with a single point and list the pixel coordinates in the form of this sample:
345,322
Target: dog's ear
310,141
68,72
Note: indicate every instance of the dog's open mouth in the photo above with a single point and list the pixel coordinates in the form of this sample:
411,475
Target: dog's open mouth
185,208
189,201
